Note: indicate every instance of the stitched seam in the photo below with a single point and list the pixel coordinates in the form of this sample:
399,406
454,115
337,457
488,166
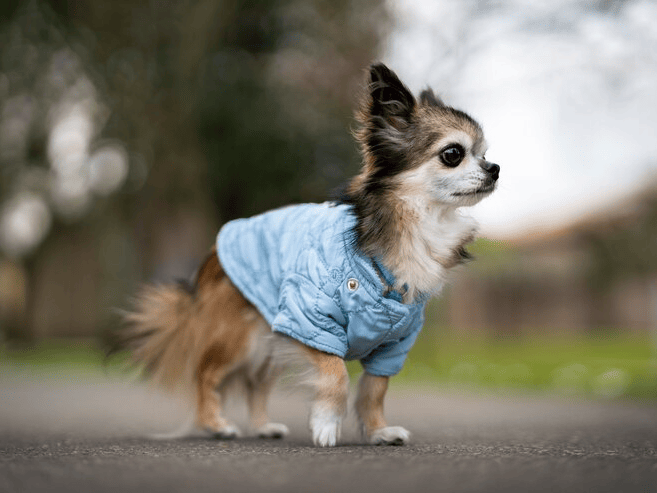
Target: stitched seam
338,301
382,340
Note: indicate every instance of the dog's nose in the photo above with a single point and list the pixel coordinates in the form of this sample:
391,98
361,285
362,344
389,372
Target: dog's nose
491,168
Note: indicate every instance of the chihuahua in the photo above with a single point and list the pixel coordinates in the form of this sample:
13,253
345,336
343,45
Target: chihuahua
317,284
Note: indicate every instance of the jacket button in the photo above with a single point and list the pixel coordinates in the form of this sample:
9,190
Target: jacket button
352,284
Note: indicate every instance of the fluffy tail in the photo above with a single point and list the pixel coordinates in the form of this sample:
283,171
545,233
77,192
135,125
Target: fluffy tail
159,331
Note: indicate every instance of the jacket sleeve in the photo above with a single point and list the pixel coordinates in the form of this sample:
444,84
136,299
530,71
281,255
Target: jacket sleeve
388,359
310,316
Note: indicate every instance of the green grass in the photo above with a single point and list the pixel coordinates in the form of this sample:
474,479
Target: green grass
60,358
612,365
617,365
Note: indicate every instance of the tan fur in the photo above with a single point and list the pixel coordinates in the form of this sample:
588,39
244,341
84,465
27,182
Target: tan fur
157,334
205,341
330,378
196,342
331,383
221,311
369,403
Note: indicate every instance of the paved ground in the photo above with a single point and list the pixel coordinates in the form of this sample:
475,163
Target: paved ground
84,435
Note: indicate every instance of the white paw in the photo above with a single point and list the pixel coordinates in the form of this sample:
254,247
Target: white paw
228,432
325,426
390,435
273,430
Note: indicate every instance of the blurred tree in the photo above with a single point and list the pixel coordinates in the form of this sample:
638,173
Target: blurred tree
137,127
260,91
626,251
276,90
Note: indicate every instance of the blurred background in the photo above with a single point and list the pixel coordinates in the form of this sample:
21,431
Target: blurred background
131,130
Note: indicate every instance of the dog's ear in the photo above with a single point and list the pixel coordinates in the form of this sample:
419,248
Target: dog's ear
428,98
390,98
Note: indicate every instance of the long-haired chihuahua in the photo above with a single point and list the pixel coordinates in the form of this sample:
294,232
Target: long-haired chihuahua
318,284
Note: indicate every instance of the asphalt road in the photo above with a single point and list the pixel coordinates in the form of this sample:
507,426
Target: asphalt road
93,435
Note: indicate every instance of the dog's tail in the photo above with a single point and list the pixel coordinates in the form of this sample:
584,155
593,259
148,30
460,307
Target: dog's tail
163,331
159,333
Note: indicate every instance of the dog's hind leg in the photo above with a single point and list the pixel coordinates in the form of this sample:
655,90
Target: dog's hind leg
225,322
258,391
369,407
209,402
331,383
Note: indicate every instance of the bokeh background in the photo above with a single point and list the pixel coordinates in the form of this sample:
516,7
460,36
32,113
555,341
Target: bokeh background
131,130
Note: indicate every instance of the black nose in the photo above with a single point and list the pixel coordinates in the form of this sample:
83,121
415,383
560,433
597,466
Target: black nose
491,168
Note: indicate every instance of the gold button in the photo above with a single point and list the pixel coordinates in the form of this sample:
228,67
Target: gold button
352,284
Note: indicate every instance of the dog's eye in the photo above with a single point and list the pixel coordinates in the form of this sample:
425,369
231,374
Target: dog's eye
452,156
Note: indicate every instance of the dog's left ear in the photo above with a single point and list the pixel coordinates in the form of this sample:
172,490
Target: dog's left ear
391,99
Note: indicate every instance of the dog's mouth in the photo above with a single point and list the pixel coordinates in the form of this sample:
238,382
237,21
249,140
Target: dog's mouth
488,188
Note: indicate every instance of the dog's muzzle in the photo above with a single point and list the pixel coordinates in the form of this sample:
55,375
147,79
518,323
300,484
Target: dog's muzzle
492,169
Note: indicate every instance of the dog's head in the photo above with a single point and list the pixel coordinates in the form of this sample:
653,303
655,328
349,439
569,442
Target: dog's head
420,148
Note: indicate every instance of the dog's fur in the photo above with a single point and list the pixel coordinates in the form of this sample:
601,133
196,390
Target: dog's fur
406,200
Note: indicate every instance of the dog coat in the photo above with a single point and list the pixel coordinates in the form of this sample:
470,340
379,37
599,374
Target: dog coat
301,269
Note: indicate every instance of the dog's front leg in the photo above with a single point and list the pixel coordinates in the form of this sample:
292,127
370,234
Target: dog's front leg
369,407
331,383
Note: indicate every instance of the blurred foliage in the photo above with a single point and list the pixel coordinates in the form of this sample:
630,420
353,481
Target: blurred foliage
627,250
247,103
274,102
130,130
608,366
61,359
492,257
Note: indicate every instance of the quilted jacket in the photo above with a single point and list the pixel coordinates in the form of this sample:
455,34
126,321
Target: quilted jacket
301,269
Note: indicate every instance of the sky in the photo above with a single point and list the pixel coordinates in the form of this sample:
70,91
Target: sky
566,95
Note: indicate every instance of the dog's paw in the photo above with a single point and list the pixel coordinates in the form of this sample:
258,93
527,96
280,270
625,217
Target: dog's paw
273,430
390,435
325,426
228,432
326,434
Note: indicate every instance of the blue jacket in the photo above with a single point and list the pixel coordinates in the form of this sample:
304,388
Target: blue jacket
299,266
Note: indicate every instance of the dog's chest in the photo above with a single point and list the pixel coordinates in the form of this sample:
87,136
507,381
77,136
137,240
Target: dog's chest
432,247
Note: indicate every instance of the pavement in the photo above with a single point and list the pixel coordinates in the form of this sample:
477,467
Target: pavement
72,433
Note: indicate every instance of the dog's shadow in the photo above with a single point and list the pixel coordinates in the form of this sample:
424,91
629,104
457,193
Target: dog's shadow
254,441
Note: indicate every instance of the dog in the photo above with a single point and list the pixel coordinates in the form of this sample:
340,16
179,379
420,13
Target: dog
317,284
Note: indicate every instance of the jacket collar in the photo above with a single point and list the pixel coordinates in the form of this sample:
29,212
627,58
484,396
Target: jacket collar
388,280
372,265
